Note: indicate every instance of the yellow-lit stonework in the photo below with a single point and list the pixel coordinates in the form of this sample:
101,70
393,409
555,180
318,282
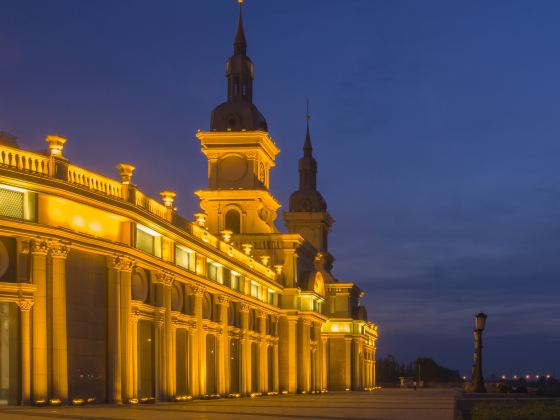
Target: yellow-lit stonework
107,293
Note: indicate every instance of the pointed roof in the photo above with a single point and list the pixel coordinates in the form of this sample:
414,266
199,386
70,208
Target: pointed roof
307,148
240,43
307,198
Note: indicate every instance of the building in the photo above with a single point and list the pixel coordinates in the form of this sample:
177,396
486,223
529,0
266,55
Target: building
109,294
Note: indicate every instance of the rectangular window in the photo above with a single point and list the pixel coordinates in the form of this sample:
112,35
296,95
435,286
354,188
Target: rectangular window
184,257
237,281
17,203
272,297
212,270
148,240
255,289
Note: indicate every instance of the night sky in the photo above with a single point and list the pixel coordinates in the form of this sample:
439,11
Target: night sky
435,125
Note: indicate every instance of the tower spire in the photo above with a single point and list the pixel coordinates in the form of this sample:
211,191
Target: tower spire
240,43
238,113
307,149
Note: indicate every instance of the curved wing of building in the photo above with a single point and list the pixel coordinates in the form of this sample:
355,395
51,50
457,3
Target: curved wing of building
107,293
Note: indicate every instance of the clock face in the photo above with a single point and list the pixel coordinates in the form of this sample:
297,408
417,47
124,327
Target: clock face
233,168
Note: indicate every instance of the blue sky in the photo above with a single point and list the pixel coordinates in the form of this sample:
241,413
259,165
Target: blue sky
434,124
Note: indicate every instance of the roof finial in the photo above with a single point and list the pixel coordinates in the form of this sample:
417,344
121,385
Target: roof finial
240,43
307,149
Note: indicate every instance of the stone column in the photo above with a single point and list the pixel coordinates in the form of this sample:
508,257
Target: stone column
245,349
276,361
324,367
114,372
318,357
24,308
289,349
166,279
263,353
134,318
357,376
223,379
173,373
348,363
193,387
374,368
304,356
39,250
58,253
159,373
200,341
124,264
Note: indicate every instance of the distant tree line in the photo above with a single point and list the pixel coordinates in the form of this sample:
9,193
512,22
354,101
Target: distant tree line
390,369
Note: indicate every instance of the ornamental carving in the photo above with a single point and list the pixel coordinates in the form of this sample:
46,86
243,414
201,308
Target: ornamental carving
25,304
123,263
39,246
244,307
223,300
58,249
165,278
251,155
198,290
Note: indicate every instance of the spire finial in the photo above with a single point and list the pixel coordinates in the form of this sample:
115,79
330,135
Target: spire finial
240,43
307,149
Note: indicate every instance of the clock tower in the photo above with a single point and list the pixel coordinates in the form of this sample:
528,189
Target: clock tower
240,154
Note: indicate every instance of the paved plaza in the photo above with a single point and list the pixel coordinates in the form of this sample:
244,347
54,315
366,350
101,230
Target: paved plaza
384,404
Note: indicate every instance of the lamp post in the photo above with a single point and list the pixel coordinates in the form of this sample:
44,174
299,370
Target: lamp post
477,380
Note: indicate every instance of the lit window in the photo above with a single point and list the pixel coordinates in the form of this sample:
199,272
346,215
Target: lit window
148,240
17,203
255,289
184,257
272,297
237,281
212,270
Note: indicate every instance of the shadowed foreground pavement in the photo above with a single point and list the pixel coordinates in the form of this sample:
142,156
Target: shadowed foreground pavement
385,404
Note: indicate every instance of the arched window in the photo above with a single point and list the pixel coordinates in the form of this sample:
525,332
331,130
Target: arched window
233,221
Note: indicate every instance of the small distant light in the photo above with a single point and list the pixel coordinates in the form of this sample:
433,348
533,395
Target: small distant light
527,376
547,376
504,377
514,376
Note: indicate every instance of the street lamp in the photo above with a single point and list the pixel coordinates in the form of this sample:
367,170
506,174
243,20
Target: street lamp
477,380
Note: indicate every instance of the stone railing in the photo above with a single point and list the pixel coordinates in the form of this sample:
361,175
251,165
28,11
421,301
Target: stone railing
22,160
151,205
93,181
39,164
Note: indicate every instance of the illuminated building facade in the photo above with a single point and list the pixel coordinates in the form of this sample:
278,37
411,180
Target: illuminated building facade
110,294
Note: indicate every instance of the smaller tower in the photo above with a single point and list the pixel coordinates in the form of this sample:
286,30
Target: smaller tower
307,213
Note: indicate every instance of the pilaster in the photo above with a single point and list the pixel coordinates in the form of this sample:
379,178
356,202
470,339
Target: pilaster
58,252
114,371
39,250
166,279
245,349
223,379
124,265
25,308
200,340
263,353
